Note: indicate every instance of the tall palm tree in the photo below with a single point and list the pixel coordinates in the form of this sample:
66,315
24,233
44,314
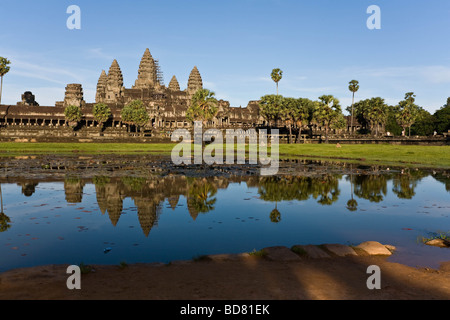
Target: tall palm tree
276,76
4,68
353,87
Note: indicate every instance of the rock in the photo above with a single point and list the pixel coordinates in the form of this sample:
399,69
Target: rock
374,248
280,254
312,251
438,243
340,250
390,247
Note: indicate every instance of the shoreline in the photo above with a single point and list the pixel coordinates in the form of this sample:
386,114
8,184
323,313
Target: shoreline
279,274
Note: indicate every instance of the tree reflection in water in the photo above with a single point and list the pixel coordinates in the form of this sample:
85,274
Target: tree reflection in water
4,219
150,193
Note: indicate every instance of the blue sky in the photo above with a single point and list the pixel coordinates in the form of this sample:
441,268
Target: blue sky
320,45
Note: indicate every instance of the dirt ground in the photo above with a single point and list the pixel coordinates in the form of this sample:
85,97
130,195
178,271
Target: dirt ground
233,278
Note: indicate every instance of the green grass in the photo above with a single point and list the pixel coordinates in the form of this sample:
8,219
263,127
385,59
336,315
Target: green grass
260,253
17,149
383,154
435,235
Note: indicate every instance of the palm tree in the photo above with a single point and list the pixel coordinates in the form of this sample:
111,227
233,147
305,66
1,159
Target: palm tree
4,68
407,112
203,106
327,112
353,87
276,76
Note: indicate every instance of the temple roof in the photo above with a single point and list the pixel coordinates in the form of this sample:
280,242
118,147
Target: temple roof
174,85
147,76
115,76
195,81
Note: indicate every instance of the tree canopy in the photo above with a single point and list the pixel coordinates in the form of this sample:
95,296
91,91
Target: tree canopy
135,113
276,75
73,114
101,113
203,106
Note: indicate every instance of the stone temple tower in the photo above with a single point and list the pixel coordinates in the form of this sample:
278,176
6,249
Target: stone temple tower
195,82
174,85
101,87
114,84
74,95
147,74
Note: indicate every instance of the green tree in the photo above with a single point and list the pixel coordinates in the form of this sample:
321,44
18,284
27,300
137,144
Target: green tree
203,106
425,123
376,114
101,113
407,112
296,113
73,115
353,87
391,123
442,118
276,76
327,112
4,69
271,108
135,113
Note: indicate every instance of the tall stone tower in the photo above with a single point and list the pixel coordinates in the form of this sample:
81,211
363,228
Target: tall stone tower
195,82
174,85
74,95
114,84
101,87
147,74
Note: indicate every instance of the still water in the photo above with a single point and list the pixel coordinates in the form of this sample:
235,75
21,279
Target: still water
161,219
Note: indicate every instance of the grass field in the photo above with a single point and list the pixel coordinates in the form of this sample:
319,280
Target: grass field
428,156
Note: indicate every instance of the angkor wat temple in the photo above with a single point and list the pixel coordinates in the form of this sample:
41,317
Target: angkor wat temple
166,105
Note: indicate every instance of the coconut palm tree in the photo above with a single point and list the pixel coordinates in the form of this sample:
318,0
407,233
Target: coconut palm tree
353,87
4,69
276,76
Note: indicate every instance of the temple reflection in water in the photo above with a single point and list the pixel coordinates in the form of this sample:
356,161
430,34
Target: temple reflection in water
150,193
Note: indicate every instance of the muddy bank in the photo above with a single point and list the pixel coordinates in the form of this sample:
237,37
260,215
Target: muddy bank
87,166
234,277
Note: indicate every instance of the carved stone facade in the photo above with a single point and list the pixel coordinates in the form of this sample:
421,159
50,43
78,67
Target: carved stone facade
28,99
166,106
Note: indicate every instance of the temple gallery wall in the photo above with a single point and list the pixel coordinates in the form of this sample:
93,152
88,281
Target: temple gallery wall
166,107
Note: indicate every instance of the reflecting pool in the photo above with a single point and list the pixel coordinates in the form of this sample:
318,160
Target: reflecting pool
109,220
